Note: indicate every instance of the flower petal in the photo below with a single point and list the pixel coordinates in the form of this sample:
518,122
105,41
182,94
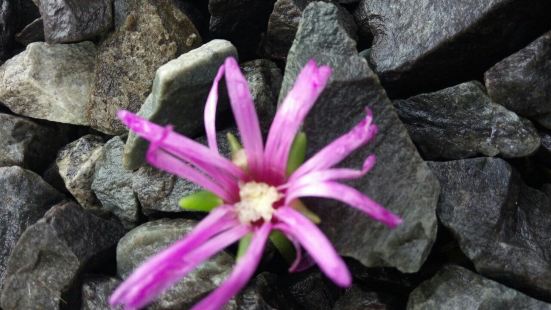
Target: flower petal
308,86
315,242
242,272
210,111
167,267
245,115
347,195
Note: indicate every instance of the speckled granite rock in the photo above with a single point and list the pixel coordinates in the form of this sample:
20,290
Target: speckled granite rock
324,34
96,291
462,121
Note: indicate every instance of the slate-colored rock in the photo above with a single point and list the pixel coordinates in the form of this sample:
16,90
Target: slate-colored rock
179,93
501,224
400,181
522,81
96,291
240,22
50,254
25,199
462,121
435,44
33,32
76,164
7,28
49,82
312,290
356,298
112,183
153,33
150,238
265,292
68,21
458,288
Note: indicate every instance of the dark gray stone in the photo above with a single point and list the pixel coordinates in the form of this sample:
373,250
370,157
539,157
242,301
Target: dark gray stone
312,290
462,121
265,292
33,32
25,199
435,44
458,288
522,81
401,181
7,29
68,21
355,298
50,254
501,224
96,291
152,237
154,32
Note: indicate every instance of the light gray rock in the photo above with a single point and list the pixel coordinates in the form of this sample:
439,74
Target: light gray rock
458,288
76,164
49,82
400,181
179,93
96,291
462,121
46,262
153,33
150,238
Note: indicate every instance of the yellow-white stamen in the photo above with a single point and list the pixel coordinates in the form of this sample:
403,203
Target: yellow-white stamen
256,203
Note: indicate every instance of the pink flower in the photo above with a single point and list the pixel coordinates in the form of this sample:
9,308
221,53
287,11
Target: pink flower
258,195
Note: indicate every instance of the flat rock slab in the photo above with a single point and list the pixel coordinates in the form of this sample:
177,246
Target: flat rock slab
179,93
433,44
51,82
49,256
153,33
462,121
501,224
401,181
457,288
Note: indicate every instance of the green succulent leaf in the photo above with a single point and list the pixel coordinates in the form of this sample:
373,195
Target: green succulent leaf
244,245
297,153
203,201
284,246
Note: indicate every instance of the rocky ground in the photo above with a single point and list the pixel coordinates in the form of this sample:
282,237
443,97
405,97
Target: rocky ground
460,89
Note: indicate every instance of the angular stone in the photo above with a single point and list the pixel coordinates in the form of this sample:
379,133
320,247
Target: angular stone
153,33
33,32
112,183
76,164
435,44
68,21
522,81
96,291
455,287
179,93
46,262
400,181
49,81
501,224
462,121
150,238
240,22
25,199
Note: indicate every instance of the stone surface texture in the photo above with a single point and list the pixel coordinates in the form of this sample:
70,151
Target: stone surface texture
96,291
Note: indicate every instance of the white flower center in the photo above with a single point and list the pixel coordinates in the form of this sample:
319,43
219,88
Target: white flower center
256,203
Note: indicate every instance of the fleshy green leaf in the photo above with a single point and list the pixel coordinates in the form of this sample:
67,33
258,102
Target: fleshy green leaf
235,146
297,153
203,201
244,245
283,245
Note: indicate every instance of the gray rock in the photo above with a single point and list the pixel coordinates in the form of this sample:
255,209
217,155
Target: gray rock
179,94
153,33
150,238
265,292
33,32
240,22
458,288
522,81
50,254
431,45
112,183
7,28
355,298
25,199
76,164
462,121
75,20
312,290
501,224
49,81
401,181
96,291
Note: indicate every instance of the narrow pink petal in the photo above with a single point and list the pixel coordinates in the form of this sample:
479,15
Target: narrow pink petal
242,272
163,269
308,86
315,242
210,111
347,195
245,115
340,148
